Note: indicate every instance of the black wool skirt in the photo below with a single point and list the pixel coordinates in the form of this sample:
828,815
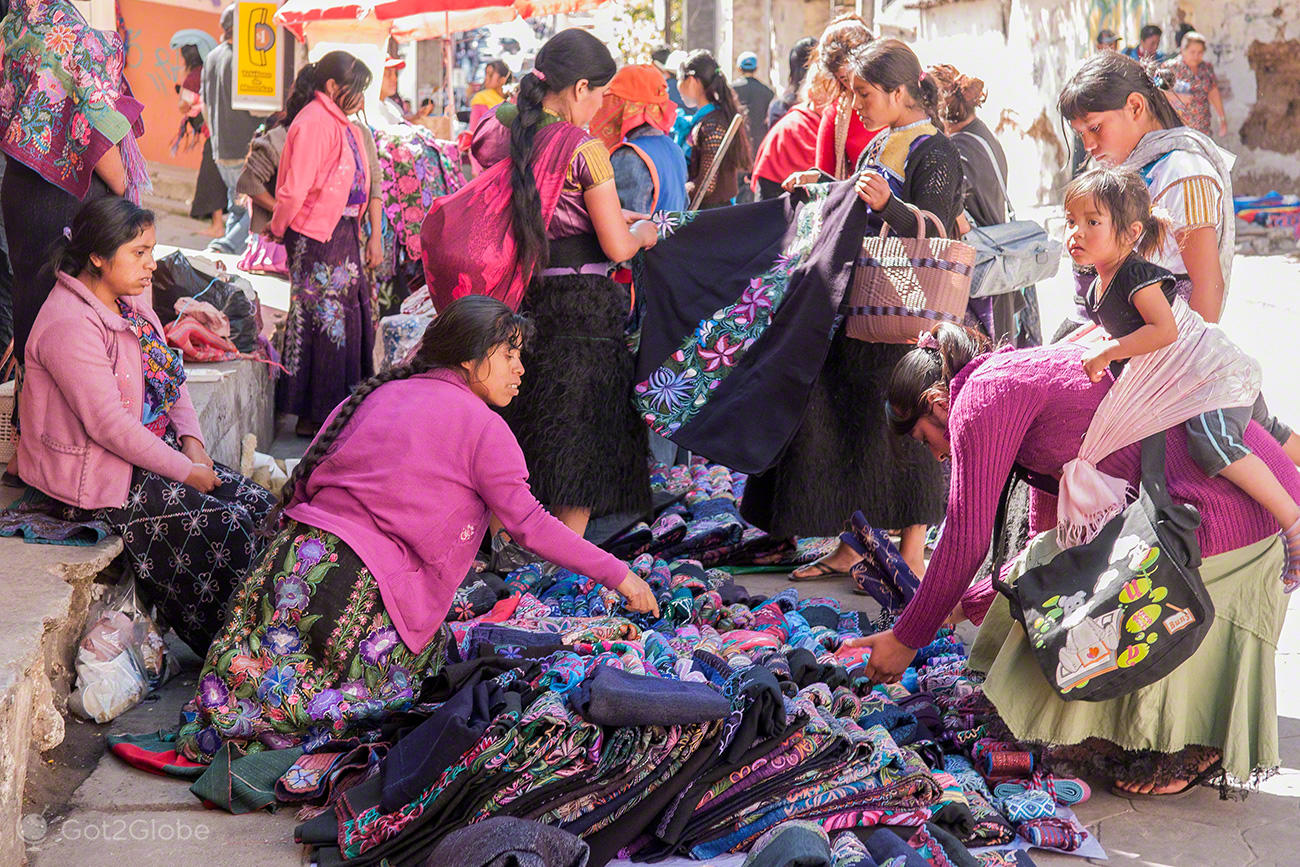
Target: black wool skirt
574,419
845,457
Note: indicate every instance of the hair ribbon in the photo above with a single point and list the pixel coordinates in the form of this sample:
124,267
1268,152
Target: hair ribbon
926,340
539,75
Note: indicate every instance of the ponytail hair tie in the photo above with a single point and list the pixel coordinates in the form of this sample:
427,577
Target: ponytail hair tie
923,77
926,340
539,75
67,232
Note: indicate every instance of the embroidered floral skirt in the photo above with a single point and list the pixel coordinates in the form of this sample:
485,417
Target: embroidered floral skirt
188,549
329,336
308,652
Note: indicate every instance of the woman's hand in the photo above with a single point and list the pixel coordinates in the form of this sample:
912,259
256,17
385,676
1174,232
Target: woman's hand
633,217
646,233
639,596
1096,360
1223,126
193,449
889,656
873,189
374,252
202,478
800,179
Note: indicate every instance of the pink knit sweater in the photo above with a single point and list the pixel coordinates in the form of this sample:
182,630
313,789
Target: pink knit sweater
1033,406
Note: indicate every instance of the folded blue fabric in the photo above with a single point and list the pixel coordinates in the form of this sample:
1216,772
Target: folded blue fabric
791,844
614,697
885,844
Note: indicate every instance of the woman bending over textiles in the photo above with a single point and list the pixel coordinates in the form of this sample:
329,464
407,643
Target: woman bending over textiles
343,617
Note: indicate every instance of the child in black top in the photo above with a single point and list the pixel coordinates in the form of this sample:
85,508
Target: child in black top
1110,225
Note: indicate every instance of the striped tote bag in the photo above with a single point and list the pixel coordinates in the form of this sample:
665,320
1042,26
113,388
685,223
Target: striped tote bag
902,286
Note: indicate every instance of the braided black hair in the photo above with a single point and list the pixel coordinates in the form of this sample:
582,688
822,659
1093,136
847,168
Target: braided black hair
567,57
300,95
923,375
98,229
468,329
889,64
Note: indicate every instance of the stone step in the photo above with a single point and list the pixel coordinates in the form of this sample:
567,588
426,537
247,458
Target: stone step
49,592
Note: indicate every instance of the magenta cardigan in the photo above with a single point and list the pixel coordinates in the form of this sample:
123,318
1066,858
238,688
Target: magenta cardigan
82,403
1033,406
316,171
409,485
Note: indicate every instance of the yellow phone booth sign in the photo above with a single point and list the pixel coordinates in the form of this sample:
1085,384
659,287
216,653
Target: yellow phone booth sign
258,43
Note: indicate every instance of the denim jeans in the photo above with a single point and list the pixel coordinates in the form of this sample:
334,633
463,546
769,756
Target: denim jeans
236,215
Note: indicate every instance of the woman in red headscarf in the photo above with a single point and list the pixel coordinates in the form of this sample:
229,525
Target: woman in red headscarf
633,122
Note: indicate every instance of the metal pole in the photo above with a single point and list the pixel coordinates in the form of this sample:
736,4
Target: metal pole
448,58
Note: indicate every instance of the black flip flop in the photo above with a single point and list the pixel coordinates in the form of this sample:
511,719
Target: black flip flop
826,573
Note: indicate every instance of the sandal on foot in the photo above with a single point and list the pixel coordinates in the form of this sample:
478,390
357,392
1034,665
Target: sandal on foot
822,572
1193,784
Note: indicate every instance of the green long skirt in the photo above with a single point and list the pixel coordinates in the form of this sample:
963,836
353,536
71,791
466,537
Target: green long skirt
1224,696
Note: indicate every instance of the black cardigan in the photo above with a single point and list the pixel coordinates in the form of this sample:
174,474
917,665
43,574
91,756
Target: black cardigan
932,181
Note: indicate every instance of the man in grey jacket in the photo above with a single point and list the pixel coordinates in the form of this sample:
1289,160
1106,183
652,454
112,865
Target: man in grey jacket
231,130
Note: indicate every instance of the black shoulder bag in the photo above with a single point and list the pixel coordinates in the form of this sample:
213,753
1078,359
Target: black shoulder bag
1111,616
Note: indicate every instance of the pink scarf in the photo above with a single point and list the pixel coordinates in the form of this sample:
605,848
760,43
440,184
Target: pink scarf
1200,371
468,238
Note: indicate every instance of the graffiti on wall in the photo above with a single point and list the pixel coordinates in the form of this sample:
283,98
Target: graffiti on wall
154,67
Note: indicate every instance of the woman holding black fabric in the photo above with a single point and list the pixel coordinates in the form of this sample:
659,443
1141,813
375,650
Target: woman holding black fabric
844,456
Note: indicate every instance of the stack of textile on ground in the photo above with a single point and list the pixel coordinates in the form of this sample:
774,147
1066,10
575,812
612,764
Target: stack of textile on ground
1273,209
694,734
705,524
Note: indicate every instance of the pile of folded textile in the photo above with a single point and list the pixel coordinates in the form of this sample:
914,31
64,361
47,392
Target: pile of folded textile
704,523
1273,209
700,733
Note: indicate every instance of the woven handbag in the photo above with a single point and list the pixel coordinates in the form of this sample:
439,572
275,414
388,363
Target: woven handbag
902,286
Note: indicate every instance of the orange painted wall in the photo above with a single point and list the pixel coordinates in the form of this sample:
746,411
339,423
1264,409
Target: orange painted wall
154,68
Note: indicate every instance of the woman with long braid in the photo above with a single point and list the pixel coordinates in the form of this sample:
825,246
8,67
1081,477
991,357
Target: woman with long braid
344,616
540,229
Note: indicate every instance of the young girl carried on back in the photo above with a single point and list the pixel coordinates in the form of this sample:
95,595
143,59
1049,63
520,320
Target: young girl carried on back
1110,225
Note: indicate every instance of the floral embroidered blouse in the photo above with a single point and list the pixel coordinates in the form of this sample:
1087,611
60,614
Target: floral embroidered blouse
164,374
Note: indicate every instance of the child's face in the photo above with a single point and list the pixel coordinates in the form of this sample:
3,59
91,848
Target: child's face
1091,236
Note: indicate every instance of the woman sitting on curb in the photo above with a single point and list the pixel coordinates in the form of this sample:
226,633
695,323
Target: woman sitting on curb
344,616
109,429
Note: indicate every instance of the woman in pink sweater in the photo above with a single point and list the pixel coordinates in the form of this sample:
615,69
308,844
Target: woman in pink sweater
110,431
324,189
985,411
344,616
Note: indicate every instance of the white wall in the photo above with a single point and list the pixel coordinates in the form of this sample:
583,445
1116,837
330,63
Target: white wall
1025,50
